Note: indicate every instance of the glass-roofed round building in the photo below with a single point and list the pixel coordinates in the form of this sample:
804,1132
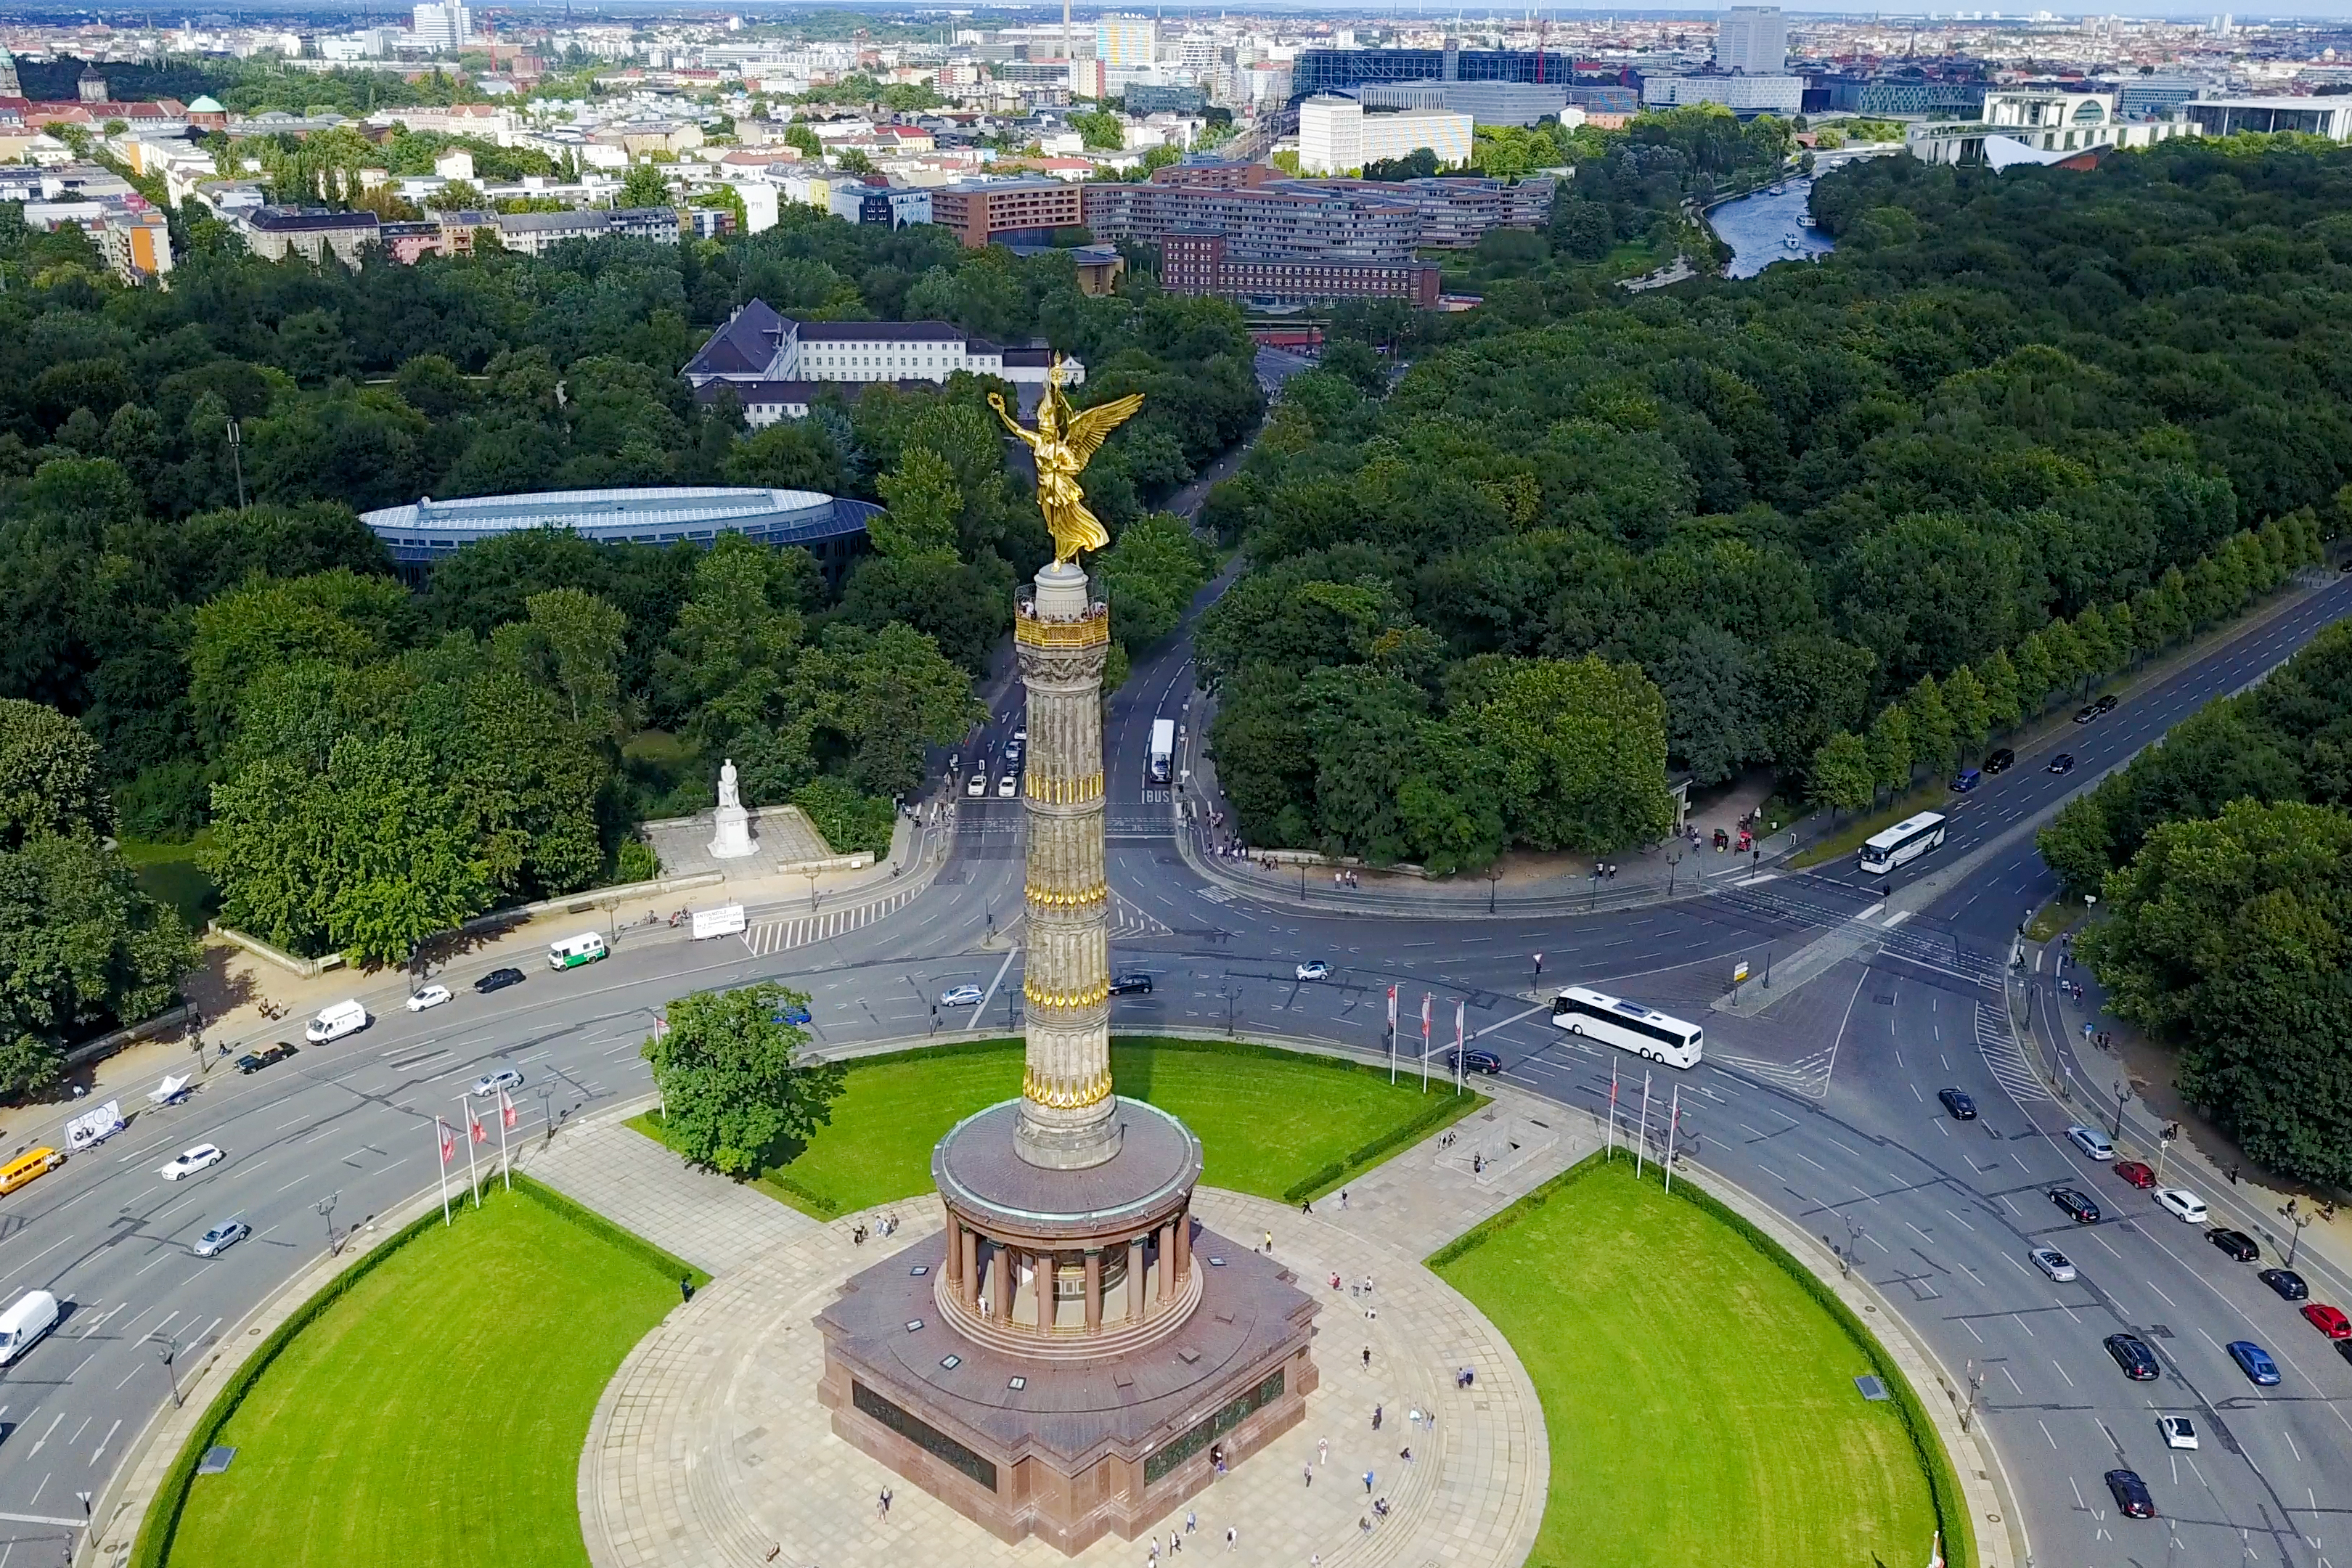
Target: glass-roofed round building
830,528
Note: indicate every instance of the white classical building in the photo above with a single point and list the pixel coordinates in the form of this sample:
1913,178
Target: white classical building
2038,125
777,365
1337,137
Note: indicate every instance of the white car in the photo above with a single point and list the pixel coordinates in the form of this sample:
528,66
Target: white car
222,1236
1318,970
504,1079
1004,788
978,784
2178,1432
431,997
2054,1263
2090,1141
196,1159
2182,1202
962,996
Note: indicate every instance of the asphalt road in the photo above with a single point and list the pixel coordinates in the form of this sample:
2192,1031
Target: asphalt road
1825,1106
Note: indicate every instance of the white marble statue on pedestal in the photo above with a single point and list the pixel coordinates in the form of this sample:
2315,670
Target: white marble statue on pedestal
734,840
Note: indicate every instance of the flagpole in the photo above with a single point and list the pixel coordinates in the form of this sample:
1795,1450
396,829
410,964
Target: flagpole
505,1114
1674,1120
1392,1043
1460,1066
1608,1146
1425,1042
473,1128
441,1158
1641,1145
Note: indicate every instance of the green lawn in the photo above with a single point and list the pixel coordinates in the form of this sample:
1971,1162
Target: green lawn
1701,1406
435,1414
1268,1121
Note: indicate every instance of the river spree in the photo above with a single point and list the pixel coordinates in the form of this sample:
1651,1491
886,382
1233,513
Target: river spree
1768,227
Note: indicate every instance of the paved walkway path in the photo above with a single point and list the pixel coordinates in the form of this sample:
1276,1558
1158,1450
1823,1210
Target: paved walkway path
716,1225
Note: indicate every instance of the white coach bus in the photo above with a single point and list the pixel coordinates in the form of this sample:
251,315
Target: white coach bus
1904,842
1629,1026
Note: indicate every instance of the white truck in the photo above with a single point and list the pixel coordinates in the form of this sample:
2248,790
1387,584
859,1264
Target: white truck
1163,749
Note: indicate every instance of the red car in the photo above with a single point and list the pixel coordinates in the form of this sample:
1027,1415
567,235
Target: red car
2328,1321
2137,1175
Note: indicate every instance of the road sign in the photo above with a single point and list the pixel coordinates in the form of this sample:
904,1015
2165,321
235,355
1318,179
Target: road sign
1740,972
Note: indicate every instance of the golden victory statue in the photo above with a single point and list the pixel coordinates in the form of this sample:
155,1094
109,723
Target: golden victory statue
1064,441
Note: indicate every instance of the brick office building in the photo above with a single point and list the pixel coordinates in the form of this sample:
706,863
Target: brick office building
984,212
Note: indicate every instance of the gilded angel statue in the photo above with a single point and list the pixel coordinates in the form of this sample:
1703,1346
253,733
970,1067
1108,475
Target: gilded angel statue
1064,440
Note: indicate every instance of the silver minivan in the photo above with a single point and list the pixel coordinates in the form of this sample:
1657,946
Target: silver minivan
2090,1141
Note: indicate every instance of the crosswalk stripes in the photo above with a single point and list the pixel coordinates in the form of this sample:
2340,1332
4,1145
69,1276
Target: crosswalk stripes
786,932
1998,1046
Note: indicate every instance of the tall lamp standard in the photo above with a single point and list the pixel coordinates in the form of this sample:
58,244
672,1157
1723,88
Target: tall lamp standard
2298,1217
167,1349
2123,1097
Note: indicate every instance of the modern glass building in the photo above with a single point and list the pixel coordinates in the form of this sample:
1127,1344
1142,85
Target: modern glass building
1341,70
828,527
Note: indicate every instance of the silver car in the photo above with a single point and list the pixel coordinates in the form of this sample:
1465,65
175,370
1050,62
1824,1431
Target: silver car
2054,1263
222,1236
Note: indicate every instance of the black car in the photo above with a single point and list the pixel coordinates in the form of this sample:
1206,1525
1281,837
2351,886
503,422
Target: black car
2063,762
2132,1355
2001,761
2131,1495
1131,986
256,1061
2082,1210
2343,1348
2287,1283
2236,1243
2106,704
1960,1107
497,980
1486,1062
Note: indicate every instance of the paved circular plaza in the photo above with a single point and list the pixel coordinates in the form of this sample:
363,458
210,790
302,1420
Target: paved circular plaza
709,1447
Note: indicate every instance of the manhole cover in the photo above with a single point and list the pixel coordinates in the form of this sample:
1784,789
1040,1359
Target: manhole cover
215,1460
1872,1388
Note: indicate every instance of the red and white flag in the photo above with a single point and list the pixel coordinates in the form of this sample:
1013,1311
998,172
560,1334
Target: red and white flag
506,1110
476,1123
1424,1023
448,1140
1935,1553
1392,1009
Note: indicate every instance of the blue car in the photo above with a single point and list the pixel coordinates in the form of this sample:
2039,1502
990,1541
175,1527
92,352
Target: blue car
793,1013
2255,1363
1966,779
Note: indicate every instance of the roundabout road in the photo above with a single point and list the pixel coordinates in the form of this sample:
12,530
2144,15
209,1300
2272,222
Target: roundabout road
1822,1106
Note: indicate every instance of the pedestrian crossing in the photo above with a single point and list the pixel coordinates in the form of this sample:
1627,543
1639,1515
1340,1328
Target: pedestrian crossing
1999,1046
786,932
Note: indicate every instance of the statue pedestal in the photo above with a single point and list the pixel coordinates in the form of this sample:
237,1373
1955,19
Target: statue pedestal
734,840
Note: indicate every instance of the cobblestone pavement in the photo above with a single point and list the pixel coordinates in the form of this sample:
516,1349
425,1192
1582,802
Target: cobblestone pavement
709,1447
1424,1197
712,1223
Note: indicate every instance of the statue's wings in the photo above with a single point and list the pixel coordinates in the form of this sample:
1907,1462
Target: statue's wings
1084,433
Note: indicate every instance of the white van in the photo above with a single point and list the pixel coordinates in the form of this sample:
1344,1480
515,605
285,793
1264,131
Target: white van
35,1314
345,1017
574,951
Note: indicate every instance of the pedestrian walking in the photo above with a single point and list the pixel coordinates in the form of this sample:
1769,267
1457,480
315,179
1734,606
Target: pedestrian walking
882,1504
1269,1244
1308,1472
1367,1358
1154,1555
1322,1451
1191,1521
1405,1454
1175,1544
1231,1536
1376,1417
1343,1197
1368,1483
686,1286
1412,1417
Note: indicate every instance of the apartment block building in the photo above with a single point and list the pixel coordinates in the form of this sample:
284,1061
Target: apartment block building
275,232
536,233
1201,264
1026,211
136,243
1325,222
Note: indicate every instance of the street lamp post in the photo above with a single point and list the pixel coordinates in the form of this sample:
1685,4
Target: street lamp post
2123,1097
326,1209
1229,995
166,1348
2298,1217
1674,862
1494,874
2164,1147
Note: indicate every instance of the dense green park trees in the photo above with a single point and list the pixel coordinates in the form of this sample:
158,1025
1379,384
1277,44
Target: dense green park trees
80,947
733,1095
1851,520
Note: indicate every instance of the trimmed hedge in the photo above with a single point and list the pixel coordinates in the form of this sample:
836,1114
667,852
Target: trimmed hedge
1943,1481
152,1548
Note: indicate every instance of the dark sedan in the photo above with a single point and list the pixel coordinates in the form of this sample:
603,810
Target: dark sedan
2132,1355
1131,986
2001,761
1958,1105
497,980
2063,762
2081,1209
1486,1062
2131,1495
2236,1243
256,1061
2286,1282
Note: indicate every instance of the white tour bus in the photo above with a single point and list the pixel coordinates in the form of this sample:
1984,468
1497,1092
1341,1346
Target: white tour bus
1628,1026
1906,841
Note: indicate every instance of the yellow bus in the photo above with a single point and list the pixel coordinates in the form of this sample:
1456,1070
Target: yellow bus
27,1167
